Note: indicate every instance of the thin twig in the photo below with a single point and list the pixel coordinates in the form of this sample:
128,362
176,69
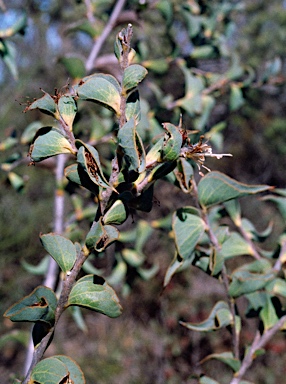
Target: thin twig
259,342
225,279
53,269
62,302
104,35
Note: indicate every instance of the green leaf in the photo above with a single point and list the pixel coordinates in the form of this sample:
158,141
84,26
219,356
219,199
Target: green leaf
219,317
18,336
62,250
172,143
132,76
133,107
16,181
235,245
226,358
88,158
280,201
188,230
236,97
30,132
203,52
175,265
67,108
133,257
45,104
154,154
116,214
246,282
132,146
40,305
75,373
102,89
49,371
49,142
94,293
76,174
74,66
118,272
184,174
268,314
39,269
215,188
101,236
8,54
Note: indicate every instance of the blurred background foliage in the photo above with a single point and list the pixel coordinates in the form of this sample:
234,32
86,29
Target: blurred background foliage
51,49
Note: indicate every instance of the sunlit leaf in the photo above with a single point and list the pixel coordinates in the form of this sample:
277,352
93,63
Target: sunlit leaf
102,89
116,214
175,265
172,143
49,142
94,293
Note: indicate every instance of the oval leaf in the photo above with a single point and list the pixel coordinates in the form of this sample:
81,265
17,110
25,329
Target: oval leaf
75,373
62,250
116,214
49,142
215,188
132,76
101,89
188,229
49,371
94,293
40,305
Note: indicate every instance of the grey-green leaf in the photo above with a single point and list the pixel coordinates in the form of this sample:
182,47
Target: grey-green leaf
216,187
132,76
101,89
49,142
62,250
188,230
40,305
219,317
94,293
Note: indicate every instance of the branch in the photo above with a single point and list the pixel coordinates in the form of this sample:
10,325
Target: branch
104,35
53,269
61,306
258,343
